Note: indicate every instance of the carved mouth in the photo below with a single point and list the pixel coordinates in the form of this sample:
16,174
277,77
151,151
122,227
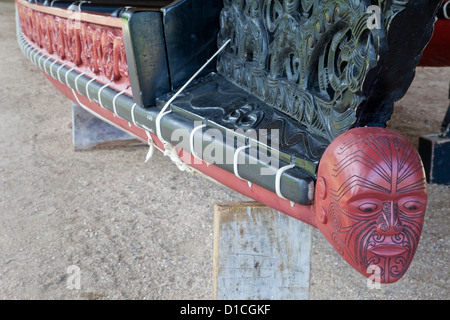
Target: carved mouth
388,250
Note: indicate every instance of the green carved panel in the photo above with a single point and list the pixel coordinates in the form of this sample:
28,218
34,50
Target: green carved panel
317,61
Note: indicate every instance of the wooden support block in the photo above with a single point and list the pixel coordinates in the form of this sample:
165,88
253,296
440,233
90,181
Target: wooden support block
435,153
259,254
90,132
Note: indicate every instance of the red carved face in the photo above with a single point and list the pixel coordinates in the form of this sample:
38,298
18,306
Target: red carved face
371,200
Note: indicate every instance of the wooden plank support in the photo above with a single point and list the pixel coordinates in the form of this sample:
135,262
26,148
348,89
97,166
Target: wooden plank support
435,153
259,254
90,132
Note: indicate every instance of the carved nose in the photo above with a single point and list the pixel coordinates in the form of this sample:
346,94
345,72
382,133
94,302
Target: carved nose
389,223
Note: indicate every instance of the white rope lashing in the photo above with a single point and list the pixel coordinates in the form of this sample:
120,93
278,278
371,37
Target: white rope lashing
191,140
132,114
446,16
76,81
114,102
59,71
100,95
45,64
236,163
51,69
67,73
87,88
36,53
169,149
280,171
151,148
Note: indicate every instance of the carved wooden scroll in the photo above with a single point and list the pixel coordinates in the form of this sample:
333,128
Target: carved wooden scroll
331,65
96,49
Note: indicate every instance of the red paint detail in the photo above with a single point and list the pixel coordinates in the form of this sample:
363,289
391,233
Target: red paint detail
437,53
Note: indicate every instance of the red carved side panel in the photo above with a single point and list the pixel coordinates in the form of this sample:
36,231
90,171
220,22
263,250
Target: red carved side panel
99,49
371,200
437,52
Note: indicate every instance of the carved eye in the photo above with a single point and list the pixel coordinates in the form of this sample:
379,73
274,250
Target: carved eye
368,207
412,205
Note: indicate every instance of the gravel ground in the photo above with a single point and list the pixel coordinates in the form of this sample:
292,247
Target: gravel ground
145,231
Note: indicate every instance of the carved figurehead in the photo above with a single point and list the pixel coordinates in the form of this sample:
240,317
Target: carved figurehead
371,200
